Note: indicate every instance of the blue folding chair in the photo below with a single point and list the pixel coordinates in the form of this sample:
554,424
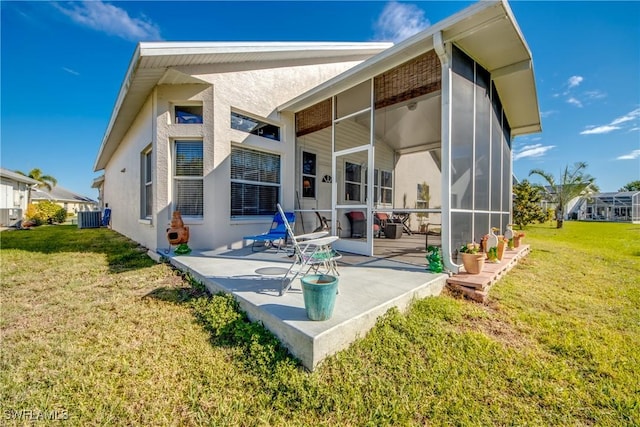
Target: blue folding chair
278,231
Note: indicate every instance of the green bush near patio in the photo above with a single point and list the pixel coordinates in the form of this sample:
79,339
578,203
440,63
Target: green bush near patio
95,331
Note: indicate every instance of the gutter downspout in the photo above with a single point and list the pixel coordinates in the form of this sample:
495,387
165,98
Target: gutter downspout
444,53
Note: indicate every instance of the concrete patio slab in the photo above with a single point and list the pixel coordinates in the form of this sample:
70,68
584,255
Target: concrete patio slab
368,287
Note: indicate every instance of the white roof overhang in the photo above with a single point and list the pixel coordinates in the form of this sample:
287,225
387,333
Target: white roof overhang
156,63
6,173
486,31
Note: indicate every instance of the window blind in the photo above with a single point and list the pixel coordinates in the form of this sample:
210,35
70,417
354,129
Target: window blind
188,183
255,182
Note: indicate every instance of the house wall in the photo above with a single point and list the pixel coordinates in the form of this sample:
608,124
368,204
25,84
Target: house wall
413,169
256,92
13,194
122,180
167,132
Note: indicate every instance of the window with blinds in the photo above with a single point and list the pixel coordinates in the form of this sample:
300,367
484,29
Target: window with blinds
255,182
187,178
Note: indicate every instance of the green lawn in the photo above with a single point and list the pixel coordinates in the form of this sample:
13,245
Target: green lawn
95,331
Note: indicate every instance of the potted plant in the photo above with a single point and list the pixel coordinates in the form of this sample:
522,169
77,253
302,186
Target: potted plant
517,237
502,244
492,255
472,258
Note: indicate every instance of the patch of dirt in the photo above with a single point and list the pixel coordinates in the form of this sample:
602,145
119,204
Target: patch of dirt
500,331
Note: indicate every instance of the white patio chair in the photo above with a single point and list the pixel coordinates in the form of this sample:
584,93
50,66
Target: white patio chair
311,252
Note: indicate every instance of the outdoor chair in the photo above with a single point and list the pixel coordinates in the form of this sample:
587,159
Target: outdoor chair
277,232
311,252
381,219
358,223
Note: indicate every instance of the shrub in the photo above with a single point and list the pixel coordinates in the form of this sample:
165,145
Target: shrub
526,204
33,214
60,215
46,212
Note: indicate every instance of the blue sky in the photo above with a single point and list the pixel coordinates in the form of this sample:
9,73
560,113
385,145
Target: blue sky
63,64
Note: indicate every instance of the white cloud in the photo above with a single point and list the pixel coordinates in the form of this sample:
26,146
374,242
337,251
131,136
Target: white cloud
399,21
599,130
614,124
70,71
575,81
627,117
595,94
631,156
574,101
577,98
111,20
549,113
535,150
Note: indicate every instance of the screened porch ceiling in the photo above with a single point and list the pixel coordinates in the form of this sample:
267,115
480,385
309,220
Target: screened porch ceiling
410,126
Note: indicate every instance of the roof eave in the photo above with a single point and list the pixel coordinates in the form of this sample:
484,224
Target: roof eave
100,162
200,50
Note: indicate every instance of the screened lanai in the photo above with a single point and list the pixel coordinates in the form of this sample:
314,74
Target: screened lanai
413,148
340,152
400,154
620,206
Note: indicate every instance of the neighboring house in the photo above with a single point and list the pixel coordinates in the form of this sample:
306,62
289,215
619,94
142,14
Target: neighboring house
14,195
223,131
573,206
623,206
98,183
70,201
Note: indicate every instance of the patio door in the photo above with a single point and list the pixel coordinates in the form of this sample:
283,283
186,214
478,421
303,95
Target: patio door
352,165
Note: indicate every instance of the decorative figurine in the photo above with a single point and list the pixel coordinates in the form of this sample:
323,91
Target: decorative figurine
435,259
178,234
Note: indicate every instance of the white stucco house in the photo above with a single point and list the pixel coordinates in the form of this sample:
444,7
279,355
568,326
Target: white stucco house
223,131
14,196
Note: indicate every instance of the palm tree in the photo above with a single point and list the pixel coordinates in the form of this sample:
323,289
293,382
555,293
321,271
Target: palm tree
44,181
573,182
632,186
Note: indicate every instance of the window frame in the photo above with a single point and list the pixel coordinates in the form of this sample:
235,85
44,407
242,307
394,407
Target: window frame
261,123
187,105
146,183
378,187
184,178
359,183
312,177
260,211
420,202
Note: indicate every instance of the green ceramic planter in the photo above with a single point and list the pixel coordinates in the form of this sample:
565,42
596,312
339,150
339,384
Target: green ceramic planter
319,292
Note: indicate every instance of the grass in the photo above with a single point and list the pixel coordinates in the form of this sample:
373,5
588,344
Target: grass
92,327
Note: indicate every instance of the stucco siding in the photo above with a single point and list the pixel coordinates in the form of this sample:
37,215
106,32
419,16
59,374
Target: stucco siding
254,92
122,180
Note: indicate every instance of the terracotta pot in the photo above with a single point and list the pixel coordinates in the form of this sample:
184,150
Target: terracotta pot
473,263
501,246
516,241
